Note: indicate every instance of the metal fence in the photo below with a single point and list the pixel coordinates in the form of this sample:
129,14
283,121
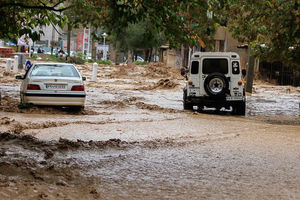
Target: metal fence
283,75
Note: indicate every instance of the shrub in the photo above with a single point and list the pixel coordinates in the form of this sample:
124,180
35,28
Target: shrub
61,59
52,58
140,63
76,60
79,54
105,62
45,59
34,57
90,61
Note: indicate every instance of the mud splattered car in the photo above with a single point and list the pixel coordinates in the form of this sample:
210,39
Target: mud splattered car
215,80
57,84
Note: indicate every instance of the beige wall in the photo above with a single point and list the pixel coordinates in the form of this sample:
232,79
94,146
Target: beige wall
231,44
223,42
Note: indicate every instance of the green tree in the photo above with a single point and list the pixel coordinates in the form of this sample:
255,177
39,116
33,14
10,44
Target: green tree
20,17
180,20
141,36
270,27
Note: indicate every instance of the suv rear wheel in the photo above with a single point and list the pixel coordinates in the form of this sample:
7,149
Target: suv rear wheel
216,84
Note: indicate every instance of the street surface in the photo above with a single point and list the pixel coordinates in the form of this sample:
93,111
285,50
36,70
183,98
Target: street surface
133,140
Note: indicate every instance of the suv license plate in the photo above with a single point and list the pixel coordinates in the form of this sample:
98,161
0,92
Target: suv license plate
55,87
234,98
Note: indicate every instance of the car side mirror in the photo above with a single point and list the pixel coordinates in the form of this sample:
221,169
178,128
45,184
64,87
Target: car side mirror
84,78
19,77
244,72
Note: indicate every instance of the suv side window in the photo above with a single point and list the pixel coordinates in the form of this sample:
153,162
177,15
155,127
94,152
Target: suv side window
195,67
235,67
212,65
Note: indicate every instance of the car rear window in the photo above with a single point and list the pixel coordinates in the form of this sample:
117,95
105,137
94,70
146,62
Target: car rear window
54,70
213,65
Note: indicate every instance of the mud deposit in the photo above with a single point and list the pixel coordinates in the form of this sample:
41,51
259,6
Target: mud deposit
133,140
114,169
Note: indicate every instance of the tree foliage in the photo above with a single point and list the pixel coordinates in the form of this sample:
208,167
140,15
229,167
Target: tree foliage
138,36
20,17
179,20
270,27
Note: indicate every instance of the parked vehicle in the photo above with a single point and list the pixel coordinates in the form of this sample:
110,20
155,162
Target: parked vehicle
215,80
139,58
58,84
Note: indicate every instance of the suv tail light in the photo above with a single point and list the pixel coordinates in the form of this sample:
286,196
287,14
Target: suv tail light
78,88
240,83
190,83
33,87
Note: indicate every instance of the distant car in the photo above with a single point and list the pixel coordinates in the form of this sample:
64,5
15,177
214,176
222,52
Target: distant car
88,56
57,84
10,44
139,58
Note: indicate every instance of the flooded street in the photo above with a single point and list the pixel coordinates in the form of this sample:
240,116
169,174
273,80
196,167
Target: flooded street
133,140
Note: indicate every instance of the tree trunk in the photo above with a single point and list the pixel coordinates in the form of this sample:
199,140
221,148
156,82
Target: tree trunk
93,49
135,55
182,56
129,58
117,58
150,54
147,55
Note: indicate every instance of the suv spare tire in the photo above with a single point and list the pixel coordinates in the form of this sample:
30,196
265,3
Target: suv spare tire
216,84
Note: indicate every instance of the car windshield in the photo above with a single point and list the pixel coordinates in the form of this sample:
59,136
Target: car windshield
54,70
215,65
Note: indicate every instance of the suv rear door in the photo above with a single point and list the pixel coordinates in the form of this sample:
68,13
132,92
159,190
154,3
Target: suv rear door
212,65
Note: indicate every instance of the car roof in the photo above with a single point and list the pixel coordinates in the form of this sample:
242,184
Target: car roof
49,63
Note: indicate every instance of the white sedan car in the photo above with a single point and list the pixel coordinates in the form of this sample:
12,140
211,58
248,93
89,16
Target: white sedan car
57,84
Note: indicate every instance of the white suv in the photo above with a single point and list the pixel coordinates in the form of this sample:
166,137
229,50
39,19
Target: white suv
215,80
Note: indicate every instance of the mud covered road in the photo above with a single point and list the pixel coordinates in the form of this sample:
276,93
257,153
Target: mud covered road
134,141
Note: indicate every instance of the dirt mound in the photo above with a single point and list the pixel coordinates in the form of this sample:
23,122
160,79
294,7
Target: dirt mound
124,71
151,107
120,104
160,70
114,104
9,104
161,84
152,70
6,77
157,70
18,127
61,144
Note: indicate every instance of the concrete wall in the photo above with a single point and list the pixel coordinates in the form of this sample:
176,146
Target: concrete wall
225,42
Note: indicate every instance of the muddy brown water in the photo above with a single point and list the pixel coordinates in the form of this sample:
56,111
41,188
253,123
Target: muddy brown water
134,141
